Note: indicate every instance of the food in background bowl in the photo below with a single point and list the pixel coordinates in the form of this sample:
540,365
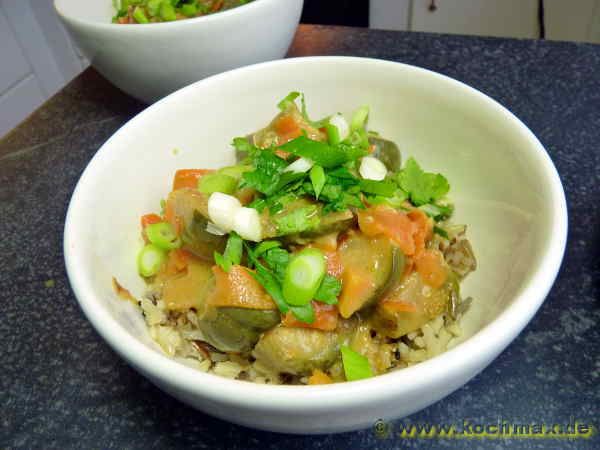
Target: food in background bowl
154,11
317,258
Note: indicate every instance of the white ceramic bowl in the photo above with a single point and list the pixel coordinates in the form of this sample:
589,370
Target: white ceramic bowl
150,61
503,183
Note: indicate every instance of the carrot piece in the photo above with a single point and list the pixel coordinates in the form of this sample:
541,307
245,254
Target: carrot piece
409,230
319,377
356,285
431,267
286,128
238,288
188,178
326,317
148,219
398,306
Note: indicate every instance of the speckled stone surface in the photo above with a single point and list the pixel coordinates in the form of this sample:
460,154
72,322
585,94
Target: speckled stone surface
62,387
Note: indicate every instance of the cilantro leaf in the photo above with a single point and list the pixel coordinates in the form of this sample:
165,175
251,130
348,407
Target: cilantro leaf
232,255
422,187
385,188
305,313
297,220
277,259
266,176
329,290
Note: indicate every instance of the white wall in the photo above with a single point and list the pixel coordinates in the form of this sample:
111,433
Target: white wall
37,57
573,20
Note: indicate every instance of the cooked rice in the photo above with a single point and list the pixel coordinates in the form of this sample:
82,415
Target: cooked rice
178,336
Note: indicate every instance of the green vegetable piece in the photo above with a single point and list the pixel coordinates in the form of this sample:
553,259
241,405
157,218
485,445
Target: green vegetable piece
217,182
304,313
356,366
329,290
264,246
359,118
139,15
318,152
289,100
189,10
167,12
317,178
232,254
162,234
298,220
437,212
267,173
384,188
154,7
333,134
303,277
235,171
277,259
422,187
150,259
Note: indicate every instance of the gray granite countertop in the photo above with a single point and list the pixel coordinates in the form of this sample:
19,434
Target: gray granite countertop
62,387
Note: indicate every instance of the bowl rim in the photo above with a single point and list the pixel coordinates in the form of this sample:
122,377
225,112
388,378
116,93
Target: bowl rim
449,365
163,26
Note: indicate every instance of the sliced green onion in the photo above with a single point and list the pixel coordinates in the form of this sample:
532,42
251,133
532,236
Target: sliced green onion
264,246
139,15
163,235
217,182
288,100
303,277
359,119
189,10
356,366
317,178
167,12
154,7
333,134
150,259
236,171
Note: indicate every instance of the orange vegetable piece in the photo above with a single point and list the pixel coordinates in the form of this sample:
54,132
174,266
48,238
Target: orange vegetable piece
398,305
356,285
319,377
149,219
430,265
286,128
326,317
238,289
188,178
409,231
333,264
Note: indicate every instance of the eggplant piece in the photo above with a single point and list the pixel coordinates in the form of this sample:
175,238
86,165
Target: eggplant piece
333,222
236,329
297,350
191,207
371,265
426,302
189,289
387,152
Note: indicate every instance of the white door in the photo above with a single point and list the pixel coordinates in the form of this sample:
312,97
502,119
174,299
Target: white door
37,58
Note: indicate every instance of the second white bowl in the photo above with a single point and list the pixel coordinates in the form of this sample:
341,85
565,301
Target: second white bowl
150,61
